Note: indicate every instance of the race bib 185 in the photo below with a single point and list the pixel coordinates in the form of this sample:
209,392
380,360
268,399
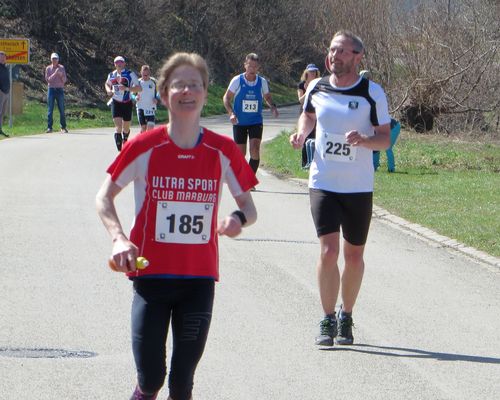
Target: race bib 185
183,222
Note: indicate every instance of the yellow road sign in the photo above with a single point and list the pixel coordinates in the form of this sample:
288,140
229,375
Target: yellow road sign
17,50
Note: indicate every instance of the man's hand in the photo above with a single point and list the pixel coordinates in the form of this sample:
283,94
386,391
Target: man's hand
296,140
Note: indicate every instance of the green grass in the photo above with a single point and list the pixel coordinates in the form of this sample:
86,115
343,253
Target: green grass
451,187
33,120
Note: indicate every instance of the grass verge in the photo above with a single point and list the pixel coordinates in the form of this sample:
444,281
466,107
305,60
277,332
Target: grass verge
449,186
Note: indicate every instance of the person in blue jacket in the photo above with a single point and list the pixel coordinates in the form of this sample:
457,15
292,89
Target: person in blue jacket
391,164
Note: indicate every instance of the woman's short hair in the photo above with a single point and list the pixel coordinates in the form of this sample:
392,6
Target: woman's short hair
179,59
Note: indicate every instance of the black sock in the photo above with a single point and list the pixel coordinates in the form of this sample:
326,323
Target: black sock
254,164
118,140
125,136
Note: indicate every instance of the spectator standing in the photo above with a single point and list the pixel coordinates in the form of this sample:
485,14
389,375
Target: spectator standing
55,76
4,88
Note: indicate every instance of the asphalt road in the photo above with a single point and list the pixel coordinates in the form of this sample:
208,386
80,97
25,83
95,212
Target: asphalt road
427,320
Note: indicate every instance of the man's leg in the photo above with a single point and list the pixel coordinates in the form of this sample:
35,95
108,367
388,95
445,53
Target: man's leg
118,132
60,106
3,104
376,160
391,164
254,154
328,283
255,138
50,108
240,138
328,271
352,275
126,131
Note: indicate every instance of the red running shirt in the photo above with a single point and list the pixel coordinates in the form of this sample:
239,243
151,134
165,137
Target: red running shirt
177,193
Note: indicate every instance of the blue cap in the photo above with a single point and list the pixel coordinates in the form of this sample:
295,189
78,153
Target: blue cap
312,67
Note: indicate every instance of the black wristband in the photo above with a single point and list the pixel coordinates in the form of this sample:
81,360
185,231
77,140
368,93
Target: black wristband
241,216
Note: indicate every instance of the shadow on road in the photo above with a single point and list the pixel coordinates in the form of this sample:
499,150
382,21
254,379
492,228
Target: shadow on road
413,353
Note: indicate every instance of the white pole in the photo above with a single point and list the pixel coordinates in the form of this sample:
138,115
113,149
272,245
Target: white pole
10,96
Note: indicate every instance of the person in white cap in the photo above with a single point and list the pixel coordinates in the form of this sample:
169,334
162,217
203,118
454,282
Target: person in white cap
119,86
55,76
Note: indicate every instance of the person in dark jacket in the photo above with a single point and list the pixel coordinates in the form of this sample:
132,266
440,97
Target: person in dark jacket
4,88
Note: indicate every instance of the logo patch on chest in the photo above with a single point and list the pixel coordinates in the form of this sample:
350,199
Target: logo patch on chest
353,105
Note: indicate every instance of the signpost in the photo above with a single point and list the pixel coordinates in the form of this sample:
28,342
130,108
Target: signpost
17,52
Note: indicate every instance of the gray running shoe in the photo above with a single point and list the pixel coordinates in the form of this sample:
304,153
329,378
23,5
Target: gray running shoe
344,331
327,331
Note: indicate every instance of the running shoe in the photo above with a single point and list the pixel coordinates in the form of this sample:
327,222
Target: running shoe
344,330
49,130
327,331
3,133
138,395
64,130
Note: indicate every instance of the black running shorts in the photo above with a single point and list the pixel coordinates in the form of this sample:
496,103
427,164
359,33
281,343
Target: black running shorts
351,211
122,110
144,119
242,132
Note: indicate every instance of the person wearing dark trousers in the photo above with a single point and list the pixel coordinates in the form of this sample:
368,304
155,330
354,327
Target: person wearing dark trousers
177,170
55,76
4,88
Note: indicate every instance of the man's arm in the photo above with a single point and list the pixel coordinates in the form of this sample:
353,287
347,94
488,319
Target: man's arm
269,100
227,99
305,125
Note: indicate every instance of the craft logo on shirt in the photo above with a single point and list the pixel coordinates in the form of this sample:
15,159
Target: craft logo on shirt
353,105
185,157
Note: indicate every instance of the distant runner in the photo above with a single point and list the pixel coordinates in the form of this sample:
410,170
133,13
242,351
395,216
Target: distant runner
146,100
248,90
119,85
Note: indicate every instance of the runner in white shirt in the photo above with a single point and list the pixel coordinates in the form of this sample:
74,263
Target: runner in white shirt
146,100
352,120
